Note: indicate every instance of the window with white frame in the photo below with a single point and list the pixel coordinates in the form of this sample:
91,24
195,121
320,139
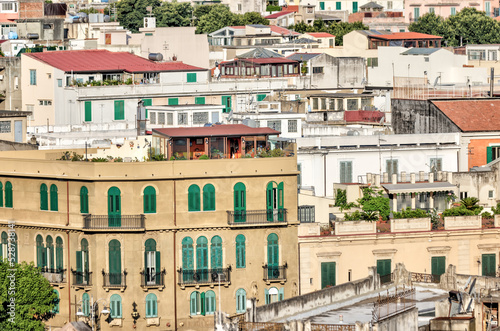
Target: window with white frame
161,118
182,119
152,117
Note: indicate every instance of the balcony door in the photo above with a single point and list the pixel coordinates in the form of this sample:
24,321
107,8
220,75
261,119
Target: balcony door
273,256
115,263
239,202
114,207
152,263
274,197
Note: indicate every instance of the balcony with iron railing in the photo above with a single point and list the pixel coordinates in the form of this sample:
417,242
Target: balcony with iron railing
82,278
204,276
114,281
267,217
275,273
54,276
125,223
153,279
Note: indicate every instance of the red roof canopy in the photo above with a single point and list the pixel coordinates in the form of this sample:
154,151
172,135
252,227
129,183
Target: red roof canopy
278,14
100,60
404,35
472,115
223,130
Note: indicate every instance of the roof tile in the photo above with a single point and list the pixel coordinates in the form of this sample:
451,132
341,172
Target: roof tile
472,115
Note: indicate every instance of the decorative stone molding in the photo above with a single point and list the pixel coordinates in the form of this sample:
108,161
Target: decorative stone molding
384,253
328,254
437,250
153,321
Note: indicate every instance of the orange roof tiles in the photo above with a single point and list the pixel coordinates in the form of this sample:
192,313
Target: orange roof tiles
472,115
320,34
278,14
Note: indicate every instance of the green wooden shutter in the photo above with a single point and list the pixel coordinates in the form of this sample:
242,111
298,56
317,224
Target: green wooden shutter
199,100
146,103
202,301
281,294
59,253
354,7
79,267
438,265
194,198
216,253
8,195
84,200
280,202
119,110
44,205
208,197
148,306
269,201
489,154
266,293
1,195
239,202
173,101
115,264
383,267
88,111
158,267
489,265
322,6
191,77
328,274
226,102
53,198
261,97
240,251
39,251
338,5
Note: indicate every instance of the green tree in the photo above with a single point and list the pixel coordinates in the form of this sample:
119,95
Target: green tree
174,14
218,17
251,18
429,23
375,201
33,296
340,29
131,13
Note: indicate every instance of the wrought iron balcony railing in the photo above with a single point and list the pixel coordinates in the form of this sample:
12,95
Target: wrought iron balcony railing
114,280
275,273
151,279
204,276
53,275
113,222
257,217
82,278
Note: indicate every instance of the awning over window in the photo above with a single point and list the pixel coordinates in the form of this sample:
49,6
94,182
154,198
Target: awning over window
419,187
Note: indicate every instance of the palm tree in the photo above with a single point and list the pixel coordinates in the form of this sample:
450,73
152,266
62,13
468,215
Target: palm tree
470,203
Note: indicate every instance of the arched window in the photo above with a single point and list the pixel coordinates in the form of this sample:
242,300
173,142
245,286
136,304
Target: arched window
115,262
202,258
85,304
208,197
8,195
240,203
194,198
41,261
240,251
4,244
53,198
241,300
114,207
115,303
210,302
152,263
84,200
82,263
151,305
44,204
187,258
274,199
49,244
216,253
273,295
55,310
273,256
59,254
149,200
1,194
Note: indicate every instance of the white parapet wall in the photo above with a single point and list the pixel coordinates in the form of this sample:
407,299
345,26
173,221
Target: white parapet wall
355,227
411,224
462,222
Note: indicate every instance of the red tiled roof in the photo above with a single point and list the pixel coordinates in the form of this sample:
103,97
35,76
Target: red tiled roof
404,35
278,14
223,130
292,8
100,60
283,31
320,34
472,115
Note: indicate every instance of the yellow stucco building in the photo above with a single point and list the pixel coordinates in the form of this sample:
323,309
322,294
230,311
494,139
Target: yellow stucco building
178,239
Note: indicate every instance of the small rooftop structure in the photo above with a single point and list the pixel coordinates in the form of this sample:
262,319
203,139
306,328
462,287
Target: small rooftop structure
405,39
259,67
214,141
